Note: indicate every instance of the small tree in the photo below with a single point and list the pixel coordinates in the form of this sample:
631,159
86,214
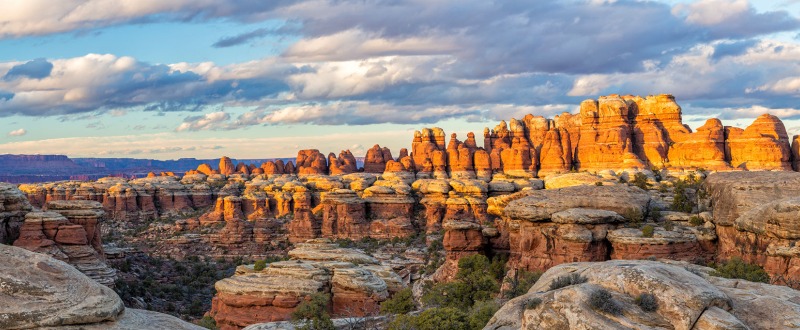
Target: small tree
260,265
313,314
401,303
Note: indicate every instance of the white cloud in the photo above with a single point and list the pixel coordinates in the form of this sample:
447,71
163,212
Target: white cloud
18,132
712,12
209,121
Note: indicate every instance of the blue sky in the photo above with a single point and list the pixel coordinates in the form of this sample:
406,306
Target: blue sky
257,79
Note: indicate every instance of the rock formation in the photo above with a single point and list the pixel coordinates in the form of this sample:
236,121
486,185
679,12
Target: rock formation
13,206
755,214
356,282
686,297
376,159
40,291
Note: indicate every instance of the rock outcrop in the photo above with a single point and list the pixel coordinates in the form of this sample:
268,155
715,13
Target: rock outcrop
13,207
356,283
685,298
41,292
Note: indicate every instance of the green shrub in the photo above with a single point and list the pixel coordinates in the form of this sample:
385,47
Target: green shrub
313,314
401,303
598,183
696,221
208,322
522,282
260,265
474,282
647,302
481,313
655,214
533,303
647,231
633,215
640,180
662,188
602,301
432,319
669,225
567,280
737,268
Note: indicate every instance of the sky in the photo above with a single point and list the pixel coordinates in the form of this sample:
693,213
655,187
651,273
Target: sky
261,79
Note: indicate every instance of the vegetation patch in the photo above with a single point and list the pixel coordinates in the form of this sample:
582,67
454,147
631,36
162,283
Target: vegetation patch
602,301
647,231
313,314
564,281
533,303
647,302
522,282
401,302
737,268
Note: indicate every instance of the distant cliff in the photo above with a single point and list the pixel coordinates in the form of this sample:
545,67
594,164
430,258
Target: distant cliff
44,168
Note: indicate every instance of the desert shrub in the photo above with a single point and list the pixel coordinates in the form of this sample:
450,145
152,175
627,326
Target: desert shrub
260,265
640,180
208,322
696,221
662,188
598,183
402,302
655,214
647,231
522,282
633,215
432,319
481,313
622,180
313,314
567,280
647,302
669,225
602,301
737,268
533,303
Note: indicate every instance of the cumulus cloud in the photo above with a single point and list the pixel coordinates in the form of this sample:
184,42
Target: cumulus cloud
105,81
18,132
364,62
734,18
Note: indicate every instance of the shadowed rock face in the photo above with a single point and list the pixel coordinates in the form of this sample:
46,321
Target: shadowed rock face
40,291
686,297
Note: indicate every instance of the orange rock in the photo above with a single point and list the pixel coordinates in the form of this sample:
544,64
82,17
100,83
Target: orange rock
764,145
704,148
344,164
376,159
226,166
311,161
205,169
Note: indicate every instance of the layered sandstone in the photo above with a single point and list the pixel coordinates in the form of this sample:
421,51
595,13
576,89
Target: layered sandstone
356,283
